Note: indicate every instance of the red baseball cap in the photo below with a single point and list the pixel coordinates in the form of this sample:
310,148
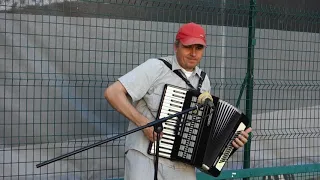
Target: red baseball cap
191,33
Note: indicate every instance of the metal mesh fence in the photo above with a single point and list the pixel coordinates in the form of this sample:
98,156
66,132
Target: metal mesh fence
57,58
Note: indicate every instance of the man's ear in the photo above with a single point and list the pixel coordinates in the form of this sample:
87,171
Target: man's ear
175,47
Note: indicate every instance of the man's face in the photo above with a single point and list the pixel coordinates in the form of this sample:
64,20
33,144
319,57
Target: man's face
189,56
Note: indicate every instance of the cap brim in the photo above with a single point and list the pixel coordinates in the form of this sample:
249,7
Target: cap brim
191,41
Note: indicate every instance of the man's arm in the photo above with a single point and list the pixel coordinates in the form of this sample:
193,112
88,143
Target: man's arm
116,94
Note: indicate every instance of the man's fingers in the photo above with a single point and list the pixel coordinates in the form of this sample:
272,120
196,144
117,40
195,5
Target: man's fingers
243,139
234,144
152,136
248,130
239,142
149,133
244,134
155,136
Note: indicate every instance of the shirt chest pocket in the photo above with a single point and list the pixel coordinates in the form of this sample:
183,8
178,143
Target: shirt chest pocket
153,98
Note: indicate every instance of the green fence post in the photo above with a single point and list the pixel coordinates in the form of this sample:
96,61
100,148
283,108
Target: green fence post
250,68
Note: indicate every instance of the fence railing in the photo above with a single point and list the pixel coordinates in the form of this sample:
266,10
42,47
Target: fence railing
57,57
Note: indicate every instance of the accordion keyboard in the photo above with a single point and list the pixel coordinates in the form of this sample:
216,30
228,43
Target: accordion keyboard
172,104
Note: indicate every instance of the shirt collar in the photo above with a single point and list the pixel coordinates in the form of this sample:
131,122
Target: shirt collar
175,65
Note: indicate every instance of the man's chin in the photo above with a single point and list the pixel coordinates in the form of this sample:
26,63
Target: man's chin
190,68
192,65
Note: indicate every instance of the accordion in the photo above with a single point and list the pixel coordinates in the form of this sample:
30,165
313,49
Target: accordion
201,137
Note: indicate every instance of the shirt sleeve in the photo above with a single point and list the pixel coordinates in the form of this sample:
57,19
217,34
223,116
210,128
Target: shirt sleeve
139,80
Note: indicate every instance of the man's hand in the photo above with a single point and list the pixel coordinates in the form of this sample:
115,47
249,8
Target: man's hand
150,134
242,138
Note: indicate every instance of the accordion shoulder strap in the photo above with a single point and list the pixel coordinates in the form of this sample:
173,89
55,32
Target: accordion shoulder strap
166,63
202,75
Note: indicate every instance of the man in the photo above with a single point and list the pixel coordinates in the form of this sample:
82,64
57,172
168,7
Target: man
144,86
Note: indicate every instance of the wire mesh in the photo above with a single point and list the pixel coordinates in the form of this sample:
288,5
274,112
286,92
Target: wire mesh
57,57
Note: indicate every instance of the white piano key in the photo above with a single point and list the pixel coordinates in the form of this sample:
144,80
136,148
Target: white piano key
164,155
168,136
175,97
167,131
163,115
171,123
163,150
167,111
171,102
166,140
168,127
170,110
172,127
177,89
165,145
175,92
171,120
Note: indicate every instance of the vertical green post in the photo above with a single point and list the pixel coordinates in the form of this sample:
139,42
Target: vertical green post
250,68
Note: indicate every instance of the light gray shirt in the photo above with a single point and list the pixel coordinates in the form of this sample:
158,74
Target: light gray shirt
145,85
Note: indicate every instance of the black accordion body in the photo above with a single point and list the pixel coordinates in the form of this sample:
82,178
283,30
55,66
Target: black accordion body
201,137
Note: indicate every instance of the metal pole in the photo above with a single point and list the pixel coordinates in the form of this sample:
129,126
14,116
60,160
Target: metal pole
223,48
250,68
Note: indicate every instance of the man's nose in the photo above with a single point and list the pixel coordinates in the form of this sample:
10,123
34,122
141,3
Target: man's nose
193,51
